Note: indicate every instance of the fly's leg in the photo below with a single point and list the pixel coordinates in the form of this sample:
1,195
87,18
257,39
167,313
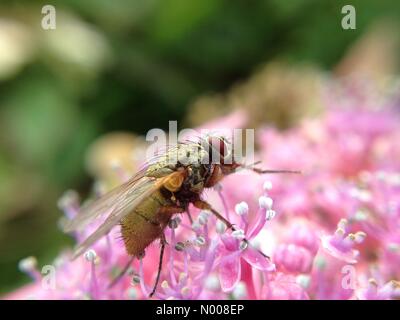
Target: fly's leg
203,205
262,171
168,210
176,209
163,243
164,210
171,210
121,274
189,215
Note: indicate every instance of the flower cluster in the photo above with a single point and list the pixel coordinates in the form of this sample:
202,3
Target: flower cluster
332,232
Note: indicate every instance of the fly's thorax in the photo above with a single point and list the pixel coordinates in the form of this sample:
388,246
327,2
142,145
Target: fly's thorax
198,174
182,155
189,155
193,184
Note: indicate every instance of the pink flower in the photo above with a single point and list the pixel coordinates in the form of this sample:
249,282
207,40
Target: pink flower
238,245
283,287
341,244
293,258
372,291
331,232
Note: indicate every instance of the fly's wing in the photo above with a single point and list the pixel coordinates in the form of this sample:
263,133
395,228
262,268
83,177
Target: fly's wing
105,204
126,202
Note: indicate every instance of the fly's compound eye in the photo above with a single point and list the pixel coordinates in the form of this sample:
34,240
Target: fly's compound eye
218,150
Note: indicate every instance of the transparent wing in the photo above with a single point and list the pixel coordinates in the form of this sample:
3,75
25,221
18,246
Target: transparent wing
105,204
125,204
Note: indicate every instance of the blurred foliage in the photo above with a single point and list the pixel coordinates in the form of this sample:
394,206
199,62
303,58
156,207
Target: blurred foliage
130,66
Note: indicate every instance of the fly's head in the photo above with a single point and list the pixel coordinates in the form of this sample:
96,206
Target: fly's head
221,159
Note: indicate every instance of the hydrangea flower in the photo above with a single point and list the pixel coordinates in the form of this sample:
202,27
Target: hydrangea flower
331,233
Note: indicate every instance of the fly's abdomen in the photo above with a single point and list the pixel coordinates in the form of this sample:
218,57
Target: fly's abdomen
145,224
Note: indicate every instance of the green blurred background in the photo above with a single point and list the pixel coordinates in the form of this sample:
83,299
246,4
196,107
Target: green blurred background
130,66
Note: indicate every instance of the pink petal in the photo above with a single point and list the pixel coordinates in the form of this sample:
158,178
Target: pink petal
230,242
259,224
257,260
229,273
283,287
350,255
293,258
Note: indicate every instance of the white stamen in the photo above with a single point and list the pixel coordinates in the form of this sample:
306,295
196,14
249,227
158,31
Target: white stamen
185,291
164,284
212,283
204,213
350,237
59,261
196,225
394,247
27,264
372,282
200,241
182,277
267,185
68,198
390,288
132,294
360,215
303,280
342,224
238,234
265,202
359,237
395,286
220,227
360,194
364,196
320,263
202,221
242,208
135,279
90,255
240,291
203,217
340,232
180,246
243,245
